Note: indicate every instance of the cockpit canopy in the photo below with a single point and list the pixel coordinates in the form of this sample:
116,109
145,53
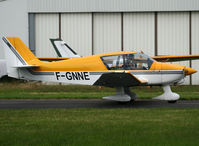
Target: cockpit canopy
135,61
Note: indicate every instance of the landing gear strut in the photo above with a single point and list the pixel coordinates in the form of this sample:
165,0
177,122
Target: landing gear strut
168,95
123,94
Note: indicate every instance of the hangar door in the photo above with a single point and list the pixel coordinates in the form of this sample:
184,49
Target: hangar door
106,32
76,32
173,35
74,29
138,32
46,26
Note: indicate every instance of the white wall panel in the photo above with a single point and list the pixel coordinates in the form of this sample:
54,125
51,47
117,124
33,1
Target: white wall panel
139,32
173,35
13,21
46,26
195,45
76,32
107,32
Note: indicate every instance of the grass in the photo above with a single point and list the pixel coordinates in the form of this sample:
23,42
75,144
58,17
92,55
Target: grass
99,127
33,90
162,126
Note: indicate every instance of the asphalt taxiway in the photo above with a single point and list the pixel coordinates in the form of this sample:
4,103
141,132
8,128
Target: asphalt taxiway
92,103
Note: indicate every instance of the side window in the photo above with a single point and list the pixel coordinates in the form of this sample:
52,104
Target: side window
114,62
141,61
130,64
136,61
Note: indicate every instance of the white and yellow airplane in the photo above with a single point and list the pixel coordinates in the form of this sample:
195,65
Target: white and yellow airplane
120,70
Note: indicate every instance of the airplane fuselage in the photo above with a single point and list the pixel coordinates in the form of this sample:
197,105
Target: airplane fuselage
90,77
88,70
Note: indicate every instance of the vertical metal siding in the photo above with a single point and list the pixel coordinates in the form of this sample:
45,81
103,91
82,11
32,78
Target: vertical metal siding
76,32
47,26
195,45
139,32
173,35
107,32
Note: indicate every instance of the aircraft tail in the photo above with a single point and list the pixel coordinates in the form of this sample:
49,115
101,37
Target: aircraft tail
17,56
62,49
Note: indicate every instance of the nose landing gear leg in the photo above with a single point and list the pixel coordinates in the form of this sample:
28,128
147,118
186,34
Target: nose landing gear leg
168,95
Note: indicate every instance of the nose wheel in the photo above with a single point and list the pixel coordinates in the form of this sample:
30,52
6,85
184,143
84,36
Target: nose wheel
168,95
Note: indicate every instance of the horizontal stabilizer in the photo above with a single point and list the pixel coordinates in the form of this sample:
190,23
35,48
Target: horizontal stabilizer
26,66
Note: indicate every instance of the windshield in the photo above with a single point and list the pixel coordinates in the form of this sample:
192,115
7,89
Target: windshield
136,61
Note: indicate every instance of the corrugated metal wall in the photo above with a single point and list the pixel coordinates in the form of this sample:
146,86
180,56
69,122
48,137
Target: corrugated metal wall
173,35
139,32
76,32
46,26
195,45
107,32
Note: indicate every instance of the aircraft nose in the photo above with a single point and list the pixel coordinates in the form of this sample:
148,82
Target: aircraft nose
189,71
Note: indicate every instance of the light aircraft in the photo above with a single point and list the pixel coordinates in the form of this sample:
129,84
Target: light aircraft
120,70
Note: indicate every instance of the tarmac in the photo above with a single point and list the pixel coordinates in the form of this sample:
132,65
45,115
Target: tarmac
92,103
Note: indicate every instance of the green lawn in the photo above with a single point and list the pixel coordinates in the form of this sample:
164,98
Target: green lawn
157,126
99,127
20,90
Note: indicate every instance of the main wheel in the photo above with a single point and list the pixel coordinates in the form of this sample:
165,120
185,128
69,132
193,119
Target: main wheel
172,101
131,94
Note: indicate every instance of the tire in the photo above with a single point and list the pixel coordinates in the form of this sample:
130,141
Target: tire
131,94
172,101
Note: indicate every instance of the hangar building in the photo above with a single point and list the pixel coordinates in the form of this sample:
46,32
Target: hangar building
156,27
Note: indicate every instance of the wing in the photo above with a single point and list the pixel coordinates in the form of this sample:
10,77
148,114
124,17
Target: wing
119,79
175,58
